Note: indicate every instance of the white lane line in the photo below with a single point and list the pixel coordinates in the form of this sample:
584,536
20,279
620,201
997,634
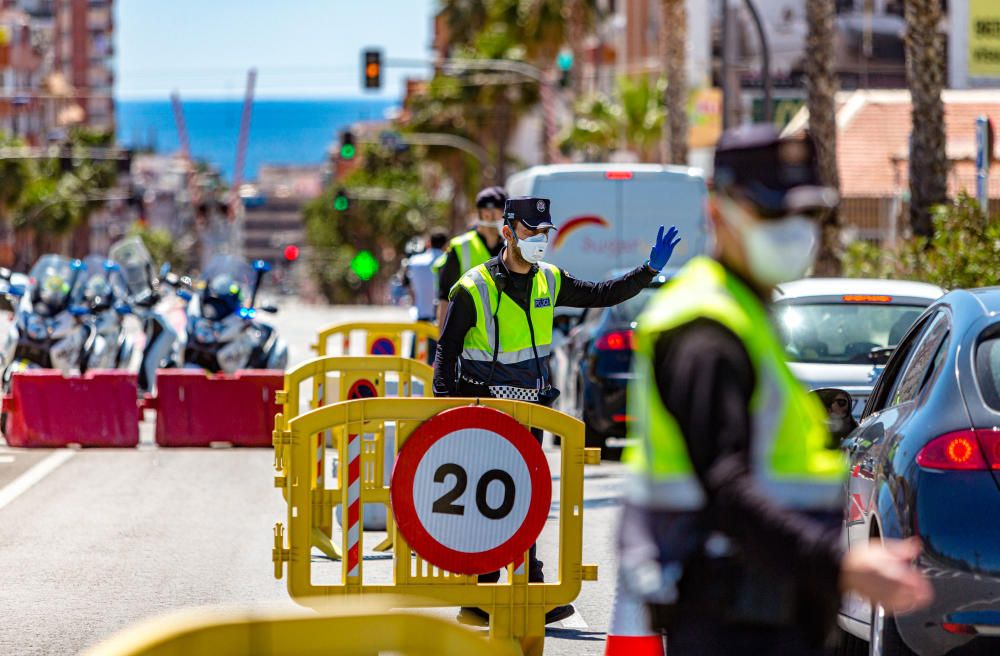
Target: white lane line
6,459
22,483
575,621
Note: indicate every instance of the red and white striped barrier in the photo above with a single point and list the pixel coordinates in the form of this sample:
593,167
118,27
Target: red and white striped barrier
353,529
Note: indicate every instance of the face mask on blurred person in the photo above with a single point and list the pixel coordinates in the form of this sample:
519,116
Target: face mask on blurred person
777,250
495,225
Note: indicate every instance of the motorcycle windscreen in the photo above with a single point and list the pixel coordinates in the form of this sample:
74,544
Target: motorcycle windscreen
136,265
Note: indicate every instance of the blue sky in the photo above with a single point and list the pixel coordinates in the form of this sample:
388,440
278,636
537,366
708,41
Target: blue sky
301,48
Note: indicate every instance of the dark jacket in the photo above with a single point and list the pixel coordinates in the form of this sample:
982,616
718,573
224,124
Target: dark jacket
573,292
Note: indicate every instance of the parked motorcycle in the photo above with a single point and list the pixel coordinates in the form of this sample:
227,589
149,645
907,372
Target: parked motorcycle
103,293
223,332
144,292
49,330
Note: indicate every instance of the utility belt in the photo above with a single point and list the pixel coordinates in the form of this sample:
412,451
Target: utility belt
678,566
544,396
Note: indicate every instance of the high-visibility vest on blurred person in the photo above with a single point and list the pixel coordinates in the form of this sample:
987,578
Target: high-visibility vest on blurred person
470,250
792,462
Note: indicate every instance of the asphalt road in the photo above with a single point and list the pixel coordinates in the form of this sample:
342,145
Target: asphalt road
94,540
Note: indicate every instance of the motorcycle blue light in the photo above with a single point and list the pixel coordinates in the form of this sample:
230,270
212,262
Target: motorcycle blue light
247,313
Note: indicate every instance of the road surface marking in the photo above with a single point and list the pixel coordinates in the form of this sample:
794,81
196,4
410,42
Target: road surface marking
6,459
22,483
575,621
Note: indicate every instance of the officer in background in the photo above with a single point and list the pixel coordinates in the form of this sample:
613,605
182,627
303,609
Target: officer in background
474,247
731,526
420,279
497,334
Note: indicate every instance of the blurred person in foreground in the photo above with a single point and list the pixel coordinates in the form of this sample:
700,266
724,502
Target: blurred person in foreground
730,532
473,247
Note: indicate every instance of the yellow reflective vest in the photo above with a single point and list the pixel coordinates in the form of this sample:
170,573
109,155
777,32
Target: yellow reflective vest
791,456
470,250
508,346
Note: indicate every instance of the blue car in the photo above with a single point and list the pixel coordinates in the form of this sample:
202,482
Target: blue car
925,462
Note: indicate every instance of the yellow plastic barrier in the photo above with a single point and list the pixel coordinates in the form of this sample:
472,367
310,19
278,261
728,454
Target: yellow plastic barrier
517,608
379,337
352,372
363,627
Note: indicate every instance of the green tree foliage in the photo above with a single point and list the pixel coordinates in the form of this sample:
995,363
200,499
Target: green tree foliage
635,113
963,252
379,227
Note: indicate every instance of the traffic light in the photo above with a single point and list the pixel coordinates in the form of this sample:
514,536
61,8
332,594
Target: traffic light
291,253
372,71
347,149
340,201
564,62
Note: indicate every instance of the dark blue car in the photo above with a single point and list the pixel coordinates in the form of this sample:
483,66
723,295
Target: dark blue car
925,462
593,366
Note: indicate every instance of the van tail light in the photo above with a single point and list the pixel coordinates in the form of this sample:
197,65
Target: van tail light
968,450
619,340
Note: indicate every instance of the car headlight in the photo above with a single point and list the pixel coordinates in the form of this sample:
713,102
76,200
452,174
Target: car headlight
36,328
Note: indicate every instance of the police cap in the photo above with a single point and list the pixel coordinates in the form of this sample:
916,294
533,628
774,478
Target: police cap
777,175
491,198
531,211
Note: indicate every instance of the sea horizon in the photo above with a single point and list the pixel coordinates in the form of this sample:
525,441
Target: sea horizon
283,131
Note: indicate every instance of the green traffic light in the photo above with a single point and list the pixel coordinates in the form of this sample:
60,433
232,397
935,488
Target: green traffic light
340,203
364,265
347,151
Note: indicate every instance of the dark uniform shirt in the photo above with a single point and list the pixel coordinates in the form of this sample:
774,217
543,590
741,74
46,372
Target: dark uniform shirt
706,380
449,274
573,292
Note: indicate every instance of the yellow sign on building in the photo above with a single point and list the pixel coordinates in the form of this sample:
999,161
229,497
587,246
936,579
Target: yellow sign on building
984,38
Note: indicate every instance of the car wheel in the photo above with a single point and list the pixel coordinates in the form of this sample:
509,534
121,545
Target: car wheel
884,639
849,645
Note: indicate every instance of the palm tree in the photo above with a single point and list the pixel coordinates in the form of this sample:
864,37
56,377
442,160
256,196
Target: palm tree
925,75
673,43
633,118
822,88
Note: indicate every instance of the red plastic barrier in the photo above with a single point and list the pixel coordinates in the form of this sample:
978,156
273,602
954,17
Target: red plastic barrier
47,409
195,409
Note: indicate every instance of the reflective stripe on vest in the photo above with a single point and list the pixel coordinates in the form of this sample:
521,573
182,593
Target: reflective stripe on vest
515,346
791,459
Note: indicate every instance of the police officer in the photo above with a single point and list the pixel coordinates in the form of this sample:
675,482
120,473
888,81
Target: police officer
731,527
497,334
472,248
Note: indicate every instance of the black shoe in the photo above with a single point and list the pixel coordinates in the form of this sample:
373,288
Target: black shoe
473,616
559,613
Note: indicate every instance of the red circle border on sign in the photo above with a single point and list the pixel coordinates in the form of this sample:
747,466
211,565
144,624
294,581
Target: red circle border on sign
401,490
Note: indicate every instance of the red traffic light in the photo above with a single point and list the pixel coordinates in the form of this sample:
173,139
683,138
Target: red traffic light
291,252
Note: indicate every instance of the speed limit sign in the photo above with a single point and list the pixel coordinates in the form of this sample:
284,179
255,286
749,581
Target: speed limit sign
471,490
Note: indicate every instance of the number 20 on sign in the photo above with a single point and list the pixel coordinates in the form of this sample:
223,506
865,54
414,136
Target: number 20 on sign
471,490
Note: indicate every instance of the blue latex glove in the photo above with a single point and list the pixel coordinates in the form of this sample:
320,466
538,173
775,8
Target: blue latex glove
663,248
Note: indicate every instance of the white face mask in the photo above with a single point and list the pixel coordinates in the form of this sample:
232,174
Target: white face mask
778,250
532,248
495,225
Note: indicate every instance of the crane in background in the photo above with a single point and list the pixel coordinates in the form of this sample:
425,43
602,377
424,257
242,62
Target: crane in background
241,143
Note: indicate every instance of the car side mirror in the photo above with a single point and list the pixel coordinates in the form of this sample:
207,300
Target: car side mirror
838,405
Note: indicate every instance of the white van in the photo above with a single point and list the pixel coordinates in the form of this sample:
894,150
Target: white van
607,215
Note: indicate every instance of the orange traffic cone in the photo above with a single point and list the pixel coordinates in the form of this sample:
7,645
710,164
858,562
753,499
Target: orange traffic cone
629,634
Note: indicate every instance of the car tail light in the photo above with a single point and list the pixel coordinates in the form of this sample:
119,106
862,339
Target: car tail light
623,419
968,450
620,340
960,629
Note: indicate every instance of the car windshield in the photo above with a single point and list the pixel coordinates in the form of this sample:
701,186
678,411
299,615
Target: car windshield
841,333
